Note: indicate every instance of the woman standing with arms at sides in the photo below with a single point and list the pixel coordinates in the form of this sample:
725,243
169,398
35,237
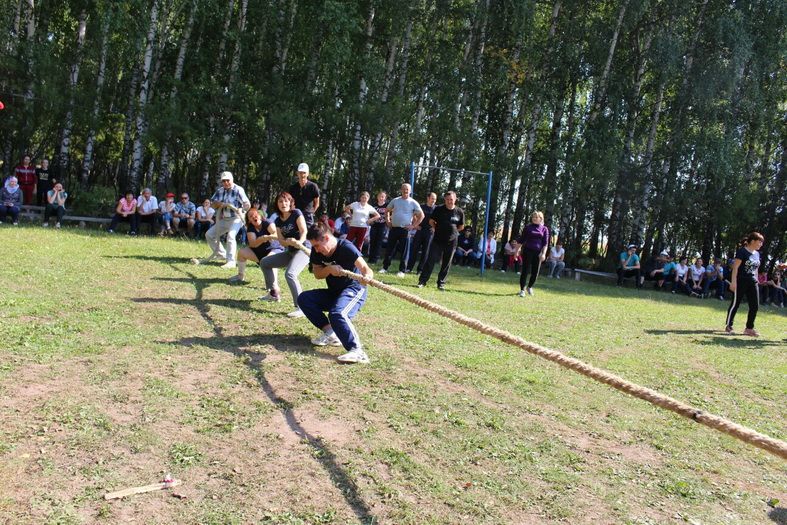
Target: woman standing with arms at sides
259,234
533,243
743,281
290,232
363,215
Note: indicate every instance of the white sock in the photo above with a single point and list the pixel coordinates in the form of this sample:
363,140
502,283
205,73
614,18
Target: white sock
242,269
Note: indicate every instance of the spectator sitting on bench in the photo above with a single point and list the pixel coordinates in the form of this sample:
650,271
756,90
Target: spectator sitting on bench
654,269
491,248
681,276
167,210
184,214
629,265
205,215
714,278
126,211
697,278
511,256
147,208
464,249
556,260
10,200
778,291
55,204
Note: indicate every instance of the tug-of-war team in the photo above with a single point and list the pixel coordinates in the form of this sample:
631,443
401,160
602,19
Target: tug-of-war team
425,233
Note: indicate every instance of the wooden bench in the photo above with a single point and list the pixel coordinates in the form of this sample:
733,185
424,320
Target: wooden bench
578,274
36,213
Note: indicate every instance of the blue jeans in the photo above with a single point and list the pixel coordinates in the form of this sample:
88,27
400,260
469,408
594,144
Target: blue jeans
719,284
6,210
341,307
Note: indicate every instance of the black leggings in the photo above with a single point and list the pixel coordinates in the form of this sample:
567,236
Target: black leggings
531,262
745,288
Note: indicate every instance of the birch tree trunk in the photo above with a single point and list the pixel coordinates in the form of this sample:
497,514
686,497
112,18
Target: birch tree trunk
601,91
647,162
231,82
87,162
165,174
141,124
362,92
65,144
393,141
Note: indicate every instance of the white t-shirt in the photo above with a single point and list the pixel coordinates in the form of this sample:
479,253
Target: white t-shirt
697,273
681,270
148,206
203,214
361,214
555,254
166,207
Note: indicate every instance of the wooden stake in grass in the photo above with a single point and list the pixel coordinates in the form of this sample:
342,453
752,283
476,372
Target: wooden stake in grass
167,483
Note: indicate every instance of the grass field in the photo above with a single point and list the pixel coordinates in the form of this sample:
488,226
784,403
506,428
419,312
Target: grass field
121,362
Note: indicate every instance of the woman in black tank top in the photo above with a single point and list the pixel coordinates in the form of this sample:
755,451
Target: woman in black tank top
259,235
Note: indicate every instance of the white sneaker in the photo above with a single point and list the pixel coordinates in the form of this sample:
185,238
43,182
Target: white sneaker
530,291
557,277
400,275
45,225
229,265
57,225
270,298
382,270
521,293
236,279
356,355
325,339
420,285
295,314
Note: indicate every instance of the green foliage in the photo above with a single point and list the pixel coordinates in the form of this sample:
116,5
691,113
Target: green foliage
98,201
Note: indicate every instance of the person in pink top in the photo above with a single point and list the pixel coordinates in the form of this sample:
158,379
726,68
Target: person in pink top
25,173
125,211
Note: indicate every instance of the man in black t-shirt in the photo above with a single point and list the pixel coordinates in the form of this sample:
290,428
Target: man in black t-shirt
464,252
306,194
423,235
447,221
344,296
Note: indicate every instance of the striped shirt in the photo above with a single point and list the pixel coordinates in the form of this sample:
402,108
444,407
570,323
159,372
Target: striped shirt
189,208
235,196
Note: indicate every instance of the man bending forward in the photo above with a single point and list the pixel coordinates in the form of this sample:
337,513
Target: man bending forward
344,296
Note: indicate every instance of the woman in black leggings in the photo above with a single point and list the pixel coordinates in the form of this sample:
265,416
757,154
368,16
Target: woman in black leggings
743,282
534,242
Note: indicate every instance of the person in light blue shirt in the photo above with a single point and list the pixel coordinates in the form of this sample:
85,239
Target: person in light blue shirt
402,215
714,278
629,266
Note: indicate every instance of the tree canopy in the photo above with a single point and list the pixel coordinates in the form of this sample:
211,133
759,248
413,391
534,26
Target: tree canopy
662,123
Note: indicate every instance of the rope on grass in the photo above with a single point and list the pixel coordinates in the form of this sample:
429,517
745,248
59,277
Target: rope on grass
745,434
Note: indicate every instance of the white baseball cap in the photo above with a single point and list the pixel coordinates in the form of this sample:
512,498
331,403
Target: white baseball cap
303,167
226,175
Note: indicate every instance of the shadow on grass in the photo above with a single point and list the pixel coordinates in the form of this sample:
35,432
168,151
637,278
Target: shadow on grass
719,338
235,346
778,515
154,258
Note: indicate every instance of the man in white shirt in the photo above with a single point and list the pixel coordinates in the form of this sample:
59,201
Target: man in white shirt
147,209
403,214
555,262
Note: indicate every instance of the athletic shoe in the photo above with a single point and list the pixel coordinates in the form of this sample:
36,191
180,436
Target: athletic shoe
236,279
295,314
270,298
521,293
441,287
400,275
382,271
110,230
229,265
728,330
721,298
420,285
356,355
557,277
751,332
16,224
57,225
325,339
45,225
530,291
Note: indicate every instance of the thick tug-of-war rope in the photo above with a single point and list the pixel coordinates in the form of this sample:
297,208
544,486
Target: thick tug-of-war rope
745,434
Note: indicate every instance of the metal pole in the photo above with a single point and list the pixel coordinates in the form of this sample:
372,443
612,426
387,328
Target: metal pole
486,221
406,254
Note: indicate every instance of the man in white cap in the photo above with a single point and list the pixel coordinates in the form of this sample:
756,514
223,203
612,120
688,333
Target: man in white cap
306,194
229,201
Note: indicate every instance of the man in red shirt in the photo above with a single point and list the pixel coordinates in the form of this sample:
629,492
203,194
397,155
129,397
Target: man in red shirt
26,175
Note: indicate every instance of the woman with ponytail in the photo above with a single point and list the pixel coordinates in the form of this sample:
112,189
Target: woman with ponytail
743,281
